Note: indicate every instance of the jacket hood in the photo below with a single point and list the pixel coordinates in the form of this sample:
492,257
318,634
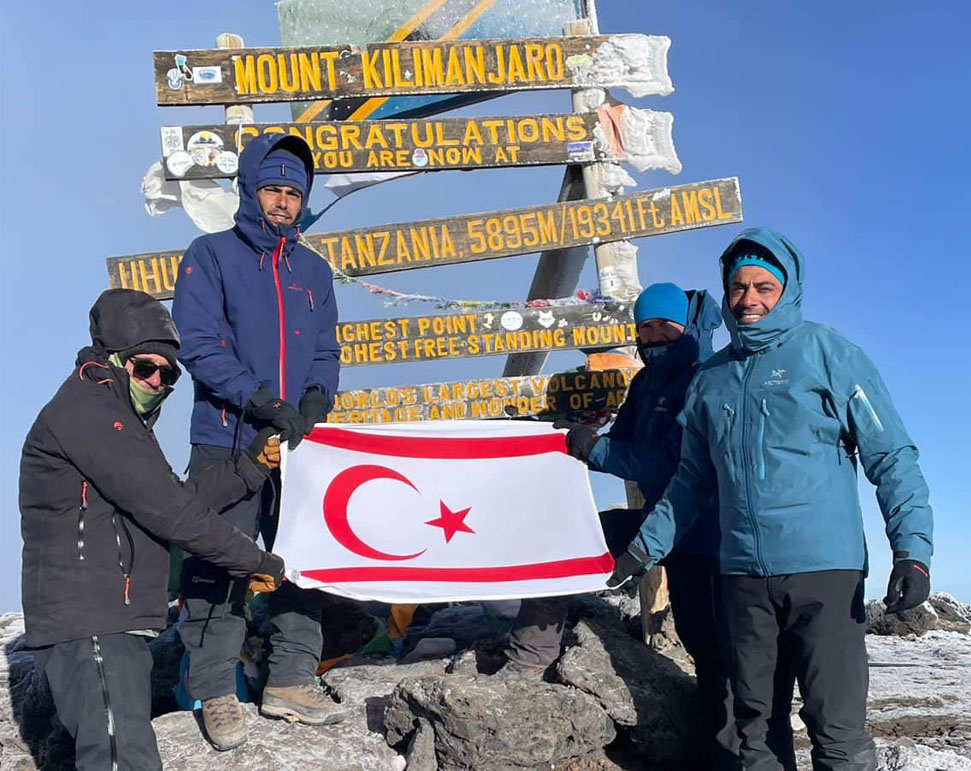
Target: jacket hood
695,345
787,314
250,223
124,318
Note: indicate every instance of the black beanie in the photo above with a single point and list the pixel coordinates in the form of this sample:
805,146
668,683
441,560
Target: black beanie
169,351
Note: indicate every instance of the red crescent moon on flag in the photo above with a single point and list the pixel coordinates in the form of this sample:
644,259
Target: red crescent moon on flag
336,499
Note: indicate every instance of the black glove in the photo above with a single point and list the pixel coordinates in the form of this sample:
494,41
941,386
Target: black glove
283,416
270,575
909,586
580,439
627,565
252,472
314,407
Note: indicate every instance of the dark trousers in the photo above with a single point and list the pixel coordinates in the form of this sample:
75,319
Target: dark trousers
812,624
215,627
103,694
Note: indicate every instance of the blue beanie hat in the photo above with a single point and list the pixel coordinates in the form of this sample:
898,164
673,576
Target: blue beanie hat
759,262
281,167
662,301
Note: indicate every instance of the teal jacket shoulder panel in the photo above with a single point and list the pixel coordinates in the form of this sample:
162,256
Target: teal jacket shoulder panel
777,423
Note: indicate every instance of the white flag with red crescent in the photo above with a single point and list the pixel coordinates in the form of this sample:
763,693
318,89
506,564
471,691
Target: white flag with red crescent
436,512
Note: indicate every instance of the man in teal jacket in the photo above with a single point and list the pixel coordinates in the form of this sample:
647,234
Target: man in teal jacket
776,425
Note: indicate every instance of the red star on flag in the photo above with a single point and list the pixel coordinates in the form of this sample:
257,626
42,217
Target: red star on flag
451,522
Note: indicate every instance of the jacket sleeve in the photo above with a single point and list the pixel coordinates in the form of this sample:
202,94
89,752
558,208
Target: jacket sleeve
128,469
207,348
689,492
889,459
325,368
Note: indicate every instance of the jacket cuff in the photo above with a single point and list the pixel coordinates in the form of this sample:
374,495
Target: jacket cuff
915,548
598,455
262,395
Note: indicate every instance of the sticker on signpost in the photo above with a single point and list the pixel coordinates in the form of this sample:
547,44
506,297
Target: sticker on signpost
171,140
205,148
179,163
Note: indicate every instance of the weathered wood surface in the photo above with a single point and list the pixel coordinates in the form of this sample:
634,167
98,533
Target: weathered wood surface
473,237
214,76
490,333
544,396
394,145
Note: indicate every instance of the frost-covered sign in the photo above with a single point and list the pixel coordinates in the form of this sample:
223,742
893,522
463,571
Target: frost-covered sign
330,22
635,62
436,143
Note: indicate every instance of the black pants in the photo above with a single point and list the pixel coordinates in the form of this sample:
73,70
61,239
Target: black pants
215,627
103,694
813,624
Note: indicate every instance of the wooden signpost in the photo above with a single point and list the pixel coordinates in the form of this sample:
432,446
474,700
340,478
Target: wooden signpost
218,76
542,396
394,145
474,237
490,333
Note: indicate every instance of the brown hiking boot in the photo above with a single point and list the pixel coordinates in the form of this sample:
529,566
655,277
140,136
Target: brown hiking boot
223,719
306,703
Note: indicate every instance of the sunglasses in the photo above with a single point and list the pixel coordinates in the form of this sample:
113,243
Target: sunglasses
143,370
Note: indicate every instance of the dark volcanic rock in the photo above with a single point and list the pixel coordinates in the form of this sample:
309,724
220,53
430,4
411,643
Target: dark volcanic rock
952,615
640,689
490,723
915,621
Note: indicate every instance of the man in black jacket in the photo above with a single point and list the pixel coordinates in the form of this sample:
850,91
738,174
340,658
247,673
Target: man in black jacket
99,506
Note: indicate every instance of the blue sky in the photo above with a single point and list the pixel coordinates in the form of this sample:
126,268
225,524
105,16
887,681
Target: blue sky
845,122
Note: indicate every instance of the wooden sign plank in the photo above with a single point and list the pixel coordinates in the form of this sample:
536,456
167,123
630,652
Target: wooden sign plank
473,237
208,152
490,333
547,397
219,76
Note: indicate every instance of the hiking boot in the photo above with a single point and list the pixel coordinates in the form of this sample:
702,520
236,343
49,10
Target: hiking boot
514,670
306,703
223,720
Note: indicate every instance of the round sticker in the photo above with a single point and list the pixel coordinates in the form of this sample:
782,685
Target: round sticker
204,147
511,320
174,78
179,163
227,162
419,157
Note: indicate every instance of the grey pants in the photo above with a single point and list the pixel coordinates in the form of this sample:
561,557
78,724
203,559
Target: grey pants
103,693
812,624
215,627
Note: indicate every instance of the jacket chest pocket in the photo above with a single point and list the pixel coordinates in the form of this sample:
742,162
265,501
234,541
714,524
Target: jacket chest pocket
760,448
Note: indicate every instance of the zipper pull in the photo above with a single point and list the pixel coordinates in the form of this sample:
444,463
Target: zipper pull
310,296
127,588
765,409
84,495
729,410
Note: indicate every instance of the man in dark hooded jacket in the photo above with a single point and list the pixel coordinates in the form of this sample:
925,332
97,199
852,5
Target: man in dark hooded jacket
776,424
644,444
99,505
257,315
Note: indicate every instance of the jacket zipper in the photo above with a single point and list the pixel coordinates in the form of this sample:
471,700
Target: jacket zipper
859,393
762,417
279,301
100,663
730,412
81,509
749,368
121,563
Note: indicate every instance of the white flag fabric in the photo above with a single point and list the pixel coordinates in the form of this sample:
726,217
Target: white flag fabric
437,512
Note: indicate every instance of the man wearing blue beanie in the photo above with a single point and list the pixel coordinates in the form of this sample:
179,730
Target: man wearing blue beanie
674,330
777,424
257,315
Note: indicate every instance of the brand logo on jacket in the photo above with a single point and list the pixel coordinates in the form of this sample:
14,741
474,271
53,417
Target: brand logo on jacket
777,379
661,405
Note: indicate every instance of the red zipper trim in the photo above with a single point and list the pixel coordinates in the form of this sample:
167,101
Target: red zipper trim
279,301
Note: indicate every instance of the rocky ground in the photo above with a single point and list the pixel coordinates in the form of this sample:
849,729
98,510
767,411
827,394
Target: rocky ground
612,702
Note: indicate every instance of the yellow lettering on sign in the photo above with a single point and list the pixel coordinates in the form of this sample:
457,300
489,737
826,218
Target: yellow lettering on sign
266,77
372,77
244,69
309,72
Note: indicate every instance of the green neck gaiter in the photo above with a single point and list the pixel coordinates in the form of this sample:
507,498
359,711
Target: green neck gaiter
144,401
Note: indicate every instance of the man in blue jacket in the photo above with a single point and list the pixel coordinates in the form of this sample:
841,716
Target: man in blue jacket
257,315
776,425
